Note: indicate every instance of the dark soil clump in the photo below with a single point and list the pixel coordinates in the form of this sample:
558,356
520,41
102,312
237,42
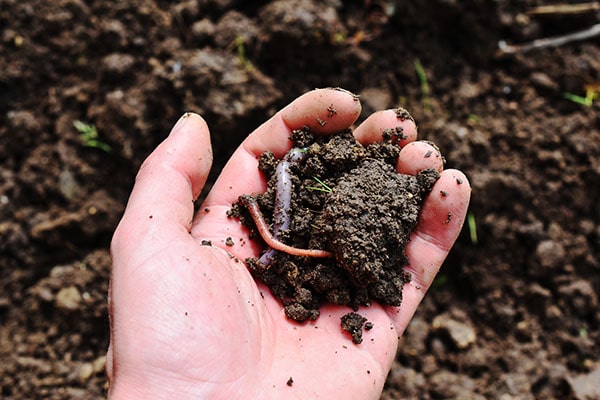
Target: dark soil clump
346,199
353,324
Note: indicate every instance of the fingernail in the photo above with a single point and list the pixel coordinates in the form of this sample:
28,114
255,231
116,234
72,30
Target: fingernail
181,122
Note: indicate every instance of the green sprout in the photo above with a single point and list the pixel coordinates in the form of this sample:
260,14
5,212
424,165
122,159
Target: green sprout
88,134
339,37
322,186
474,118
423,83
472,224
241,53
588,100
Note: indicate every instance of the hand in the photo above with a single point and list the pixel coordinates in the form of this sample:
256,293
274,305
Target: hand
189,321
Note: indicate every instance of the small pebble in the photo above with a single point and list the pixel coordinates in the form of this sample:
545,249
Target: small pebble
585,386
86,370
68,298
461,334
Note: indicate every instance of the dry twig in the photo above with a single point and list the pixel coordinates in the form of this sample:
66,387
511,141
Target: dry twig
563,9
554,41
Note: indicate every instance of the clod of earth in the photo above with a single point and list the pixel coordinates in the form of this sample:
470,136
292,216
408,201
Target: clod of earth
353,324
340,217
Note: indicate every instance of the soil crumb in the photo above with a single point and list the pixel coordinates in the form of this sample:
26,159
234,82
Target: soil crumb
353,324
334,194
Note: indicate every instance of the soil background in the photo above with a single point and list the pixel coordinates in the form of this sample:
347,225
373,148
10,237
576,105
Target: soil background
514,312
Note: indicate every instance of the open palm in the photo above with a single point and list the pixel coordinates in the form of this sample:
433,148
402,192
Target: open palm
187,318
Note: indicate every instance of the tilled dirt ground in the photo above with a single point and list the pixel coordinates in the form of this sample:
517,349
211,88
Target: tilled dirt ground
514,312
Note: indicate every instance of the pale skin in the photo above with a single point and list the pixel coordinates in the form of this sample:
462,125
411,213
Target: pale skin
189,321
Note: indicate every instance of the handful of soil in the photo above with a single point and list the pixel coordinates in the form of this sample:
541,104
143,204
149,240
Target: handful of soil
346,202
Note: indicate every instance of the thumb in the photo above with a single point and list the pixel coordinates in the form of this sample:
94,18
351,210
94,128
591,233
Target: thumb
168,182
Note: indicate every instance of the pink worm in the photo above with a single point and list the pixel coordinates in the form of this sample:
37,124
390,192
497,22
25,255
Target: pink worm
252,206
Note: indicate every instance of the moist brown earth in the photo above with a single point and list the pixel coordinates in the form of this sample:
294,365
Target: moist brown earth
349,200
353,324
514,312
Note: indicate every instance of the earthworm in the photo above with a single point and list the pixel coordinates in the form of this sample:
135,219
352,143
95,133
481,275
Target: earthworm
252,206
283,190
283,198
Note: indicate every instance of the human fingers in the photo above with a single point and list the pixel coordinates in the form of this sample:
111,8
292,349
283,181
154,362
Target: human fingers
397,123
398,126
161,202
324,111
418,156
440,222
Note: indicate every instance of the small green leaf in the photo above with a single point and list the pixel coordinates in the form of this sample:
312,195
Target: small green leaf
472,224
422,76
322,187
584,101
88,134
